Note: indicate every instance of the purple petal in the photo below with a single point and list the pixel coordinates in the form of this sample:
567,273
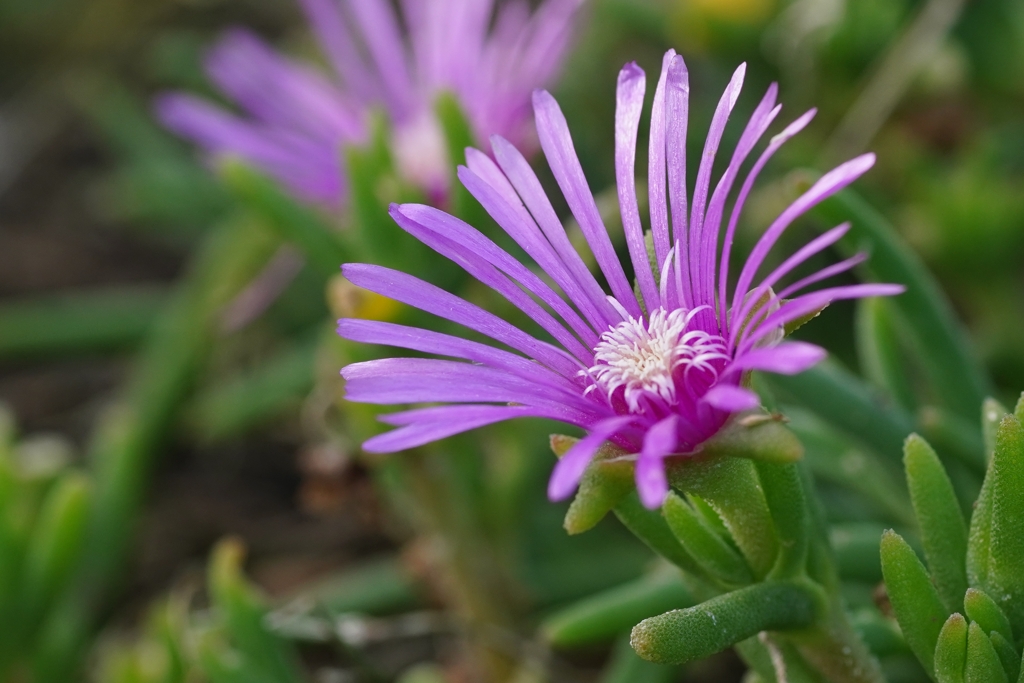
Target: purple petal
659,441
677,85
759,122
629,104
748,184
703,286
789,358
808,303
824,273
426,341
378,27
557,144
502,203
525,182
466,246
731,398
296,161
425,425
830,183
326,21
656,165
813,247
571,466
415,380
426,297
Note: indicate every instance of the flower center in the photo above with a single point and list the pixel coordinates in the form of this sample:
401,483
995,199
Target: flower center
421,154
656,359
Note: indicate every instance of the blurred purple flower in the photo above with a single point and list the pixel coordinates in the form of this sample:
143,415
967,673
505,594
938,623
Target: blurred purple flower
656,372
296,119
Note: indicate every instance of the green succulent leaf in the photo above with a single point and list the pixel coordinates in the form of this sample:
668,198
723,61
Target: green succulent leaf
1007,655
1006,544
918,607
243,614
943,530
684,635
733,490
992,413
704,544
56,543
983,665
784,493
651,528
984,610
951,650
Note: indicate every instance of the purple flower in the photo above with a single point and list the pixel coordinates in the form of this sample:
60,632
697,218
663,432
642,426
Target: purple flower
657,372
297,119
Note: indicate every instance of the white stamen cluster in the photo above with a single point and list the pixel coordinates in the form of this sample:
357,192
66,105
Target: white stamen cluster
653,358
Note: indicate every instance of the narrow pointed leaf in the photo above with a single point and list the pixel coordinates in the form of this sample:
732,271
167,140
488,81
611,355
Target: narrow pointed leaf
992,413
684,635
951,650
650,527
1006,545
731,487
787,504
983,665
917,604
943,530
1007,655
57,541
707,547
984,610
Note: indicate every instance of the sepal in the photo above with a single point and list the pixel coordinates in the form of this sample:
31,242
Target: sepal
607,480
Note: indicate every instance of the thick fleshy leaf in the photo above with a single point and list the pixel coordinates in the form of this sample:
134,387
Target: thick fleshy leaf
732,488
784,493
915,601
984,610
688,634
719,559
943,530
983,665
756,436
951,650
1006,545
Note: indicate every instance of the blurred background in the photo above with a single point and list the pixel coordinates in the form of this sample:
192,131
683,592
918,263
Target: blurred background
136,280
